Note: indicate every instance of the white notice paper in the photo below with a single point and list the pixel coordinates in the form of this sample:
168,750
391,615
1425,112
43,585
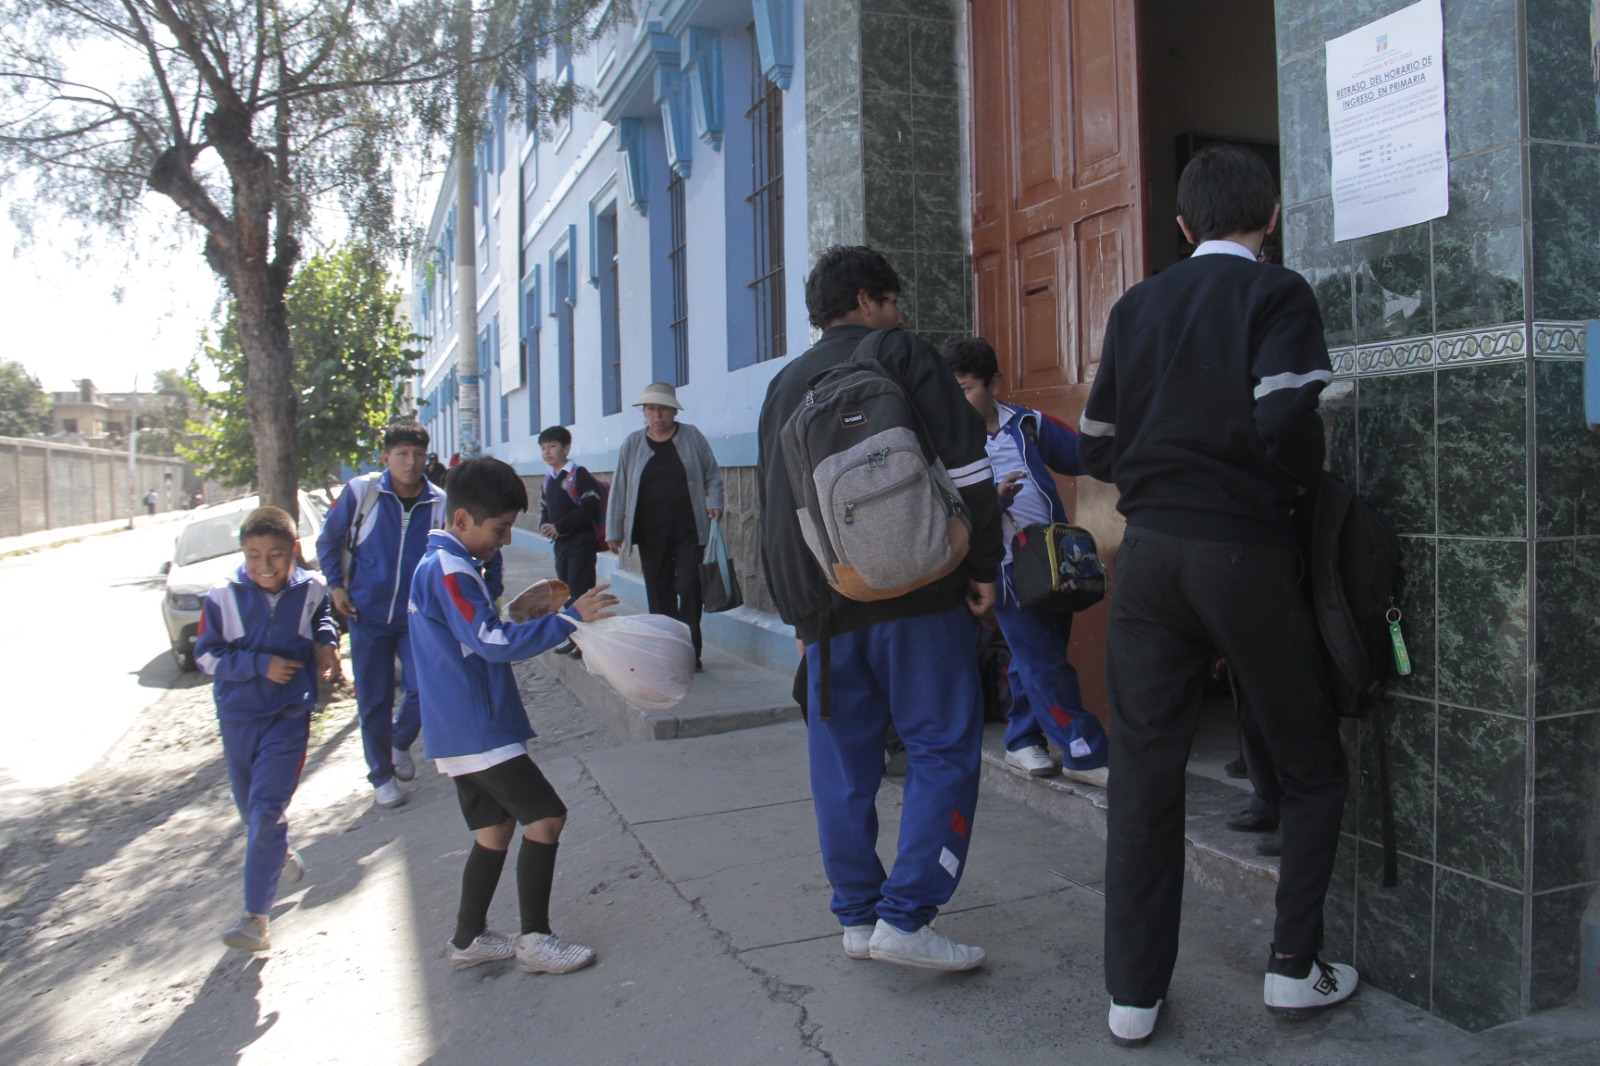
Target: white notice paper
1391,166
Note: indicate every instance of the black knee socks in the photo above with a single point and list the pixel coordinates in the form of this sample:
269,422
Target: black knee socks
478,882
536,871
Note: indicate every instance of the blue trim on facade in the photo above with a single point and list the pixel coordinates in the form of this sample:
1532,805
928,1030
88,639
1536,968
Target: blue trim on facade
676,121
635,162
775,38
702,65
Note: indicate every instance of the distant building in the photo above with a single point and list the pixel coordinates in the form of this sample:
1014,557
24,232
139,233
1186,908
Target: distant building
104,418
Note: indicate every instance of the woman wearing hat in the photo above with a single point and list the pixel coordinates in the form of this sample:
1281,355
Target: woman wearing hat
666,489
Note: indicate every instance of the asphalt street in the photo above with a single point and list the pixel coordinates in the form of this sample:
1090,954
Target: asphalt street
84,651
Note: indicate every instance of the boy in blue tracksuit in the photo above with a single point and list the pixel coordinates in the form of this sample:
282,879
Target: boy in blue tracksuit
1025,446
266,635
382,519
475,724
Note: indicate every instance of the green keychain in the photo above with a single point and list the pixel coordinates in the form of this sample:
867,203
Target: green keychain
1402,660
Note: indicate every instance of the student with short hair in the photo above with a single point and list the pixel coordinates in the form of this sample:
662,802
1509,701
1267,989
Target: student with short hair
909,660
474,722
569,507
266,635
382,519
1204,414
1026,446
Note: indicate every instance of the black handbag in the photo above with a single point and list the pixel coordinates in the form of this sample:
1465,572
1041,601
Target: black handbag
1057,567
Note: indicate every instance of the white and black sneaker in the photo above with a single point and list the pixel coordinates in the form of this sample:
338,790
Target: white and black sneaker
549,953
488,946
1325,984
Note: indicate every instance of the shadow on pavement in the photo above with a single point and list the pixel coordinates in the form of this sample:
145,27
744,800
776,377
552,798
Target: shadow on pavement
222,1020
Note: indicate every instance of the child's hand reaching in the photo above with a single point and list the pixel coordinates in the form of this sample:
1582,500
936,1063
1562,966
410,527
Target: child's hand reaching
280,671
1010,485
328,664
592,605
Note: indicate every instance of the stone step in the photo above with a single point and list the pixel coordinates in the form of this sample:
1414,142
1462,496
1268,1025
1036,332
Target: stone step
1215,855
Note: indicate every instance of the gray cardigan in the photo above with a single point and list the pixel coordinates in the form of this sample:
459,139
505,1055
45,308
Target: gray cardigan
705,482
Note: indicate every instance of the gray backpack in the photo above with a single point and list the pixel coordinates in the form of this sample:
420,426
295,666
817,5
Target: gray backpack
876,506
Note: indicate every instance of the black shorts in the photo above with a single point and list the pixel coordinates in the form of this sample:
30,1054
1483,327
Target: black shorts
512,789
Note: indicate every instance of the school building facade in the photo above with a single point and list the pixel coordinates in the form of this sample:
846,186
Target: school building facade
1017,161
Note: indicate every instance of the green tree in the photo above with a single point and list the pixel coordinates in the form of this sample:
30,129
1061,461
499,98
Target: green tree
248,115
352,353
24,405
164,425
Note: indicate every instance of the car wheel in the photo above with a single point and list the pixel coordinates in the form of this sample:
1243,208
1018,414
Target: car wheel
185,658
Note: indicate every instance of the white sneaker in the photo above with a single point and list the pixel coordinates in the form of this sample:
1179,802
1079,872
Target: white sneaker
248,934
405,767
858,941
487,946
927,949
1327,985
1132,1026
1098,777
388,794
1033,760
294,868
548,953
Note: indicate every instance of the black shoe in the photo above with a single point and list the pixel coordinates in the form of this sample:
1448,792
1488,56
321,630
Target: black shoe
1248,821
566,647
1271,844
699,667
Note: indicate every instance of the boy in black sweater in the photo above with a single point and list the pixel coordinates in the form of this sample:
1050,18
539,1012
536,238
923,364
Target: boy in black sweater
1204,415
569,507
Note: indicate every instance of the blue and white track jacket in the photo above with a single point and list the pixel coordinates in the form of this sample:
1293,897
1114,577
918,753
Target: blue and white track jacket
463,653
1046,444
1054,448
242,627
387,547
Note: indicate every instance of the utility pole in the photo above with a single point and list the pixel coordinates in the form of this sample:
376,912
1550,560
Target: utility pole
468,402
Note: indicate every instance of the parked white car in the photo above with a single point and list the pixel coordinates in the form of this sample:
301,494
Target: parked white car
207,552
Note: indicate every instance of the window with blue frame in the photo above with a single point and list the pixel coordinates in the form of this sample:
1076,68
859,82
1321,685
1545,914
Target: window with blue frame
677,256
566,370
766,205
532,318
610,312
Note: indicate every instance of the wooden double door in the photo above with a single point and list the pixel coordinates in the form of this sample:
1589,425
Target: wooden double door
1058,220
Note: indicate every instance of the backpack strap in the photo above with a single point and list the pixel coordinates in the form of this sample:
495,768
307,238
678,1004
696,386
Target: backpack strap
369,500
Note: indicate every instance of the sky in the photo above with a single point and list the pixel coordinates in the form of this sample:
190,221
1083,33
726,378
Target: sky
113,313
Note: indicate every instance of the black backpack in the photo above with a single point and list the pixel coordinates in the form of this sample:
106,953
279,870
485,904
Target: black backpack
1355,580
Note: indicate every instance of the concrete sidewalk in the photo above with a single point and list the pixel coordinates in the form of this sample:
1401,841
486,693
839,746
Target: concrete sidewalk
50,538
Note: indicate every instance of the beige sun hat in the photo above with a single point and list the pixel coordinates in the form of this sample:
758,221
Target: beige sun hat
659,392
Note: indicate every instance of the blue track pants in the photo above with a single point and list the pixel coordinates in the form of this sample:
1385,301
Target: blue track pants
373,650
264,757
1045,699
920,673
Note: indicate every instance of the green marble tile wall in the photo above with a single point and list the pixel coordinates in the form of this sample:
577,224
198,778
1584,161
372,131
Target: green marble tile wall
1457,411
884,150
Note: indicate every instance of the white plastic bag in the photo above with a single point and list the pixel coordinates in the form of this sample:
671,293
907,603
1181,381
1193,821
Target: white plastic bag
647,658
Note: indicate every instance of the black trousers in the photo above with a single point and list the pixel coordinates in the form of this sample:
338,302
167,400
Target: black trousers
1258,766
670,562
575,564
1175,601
